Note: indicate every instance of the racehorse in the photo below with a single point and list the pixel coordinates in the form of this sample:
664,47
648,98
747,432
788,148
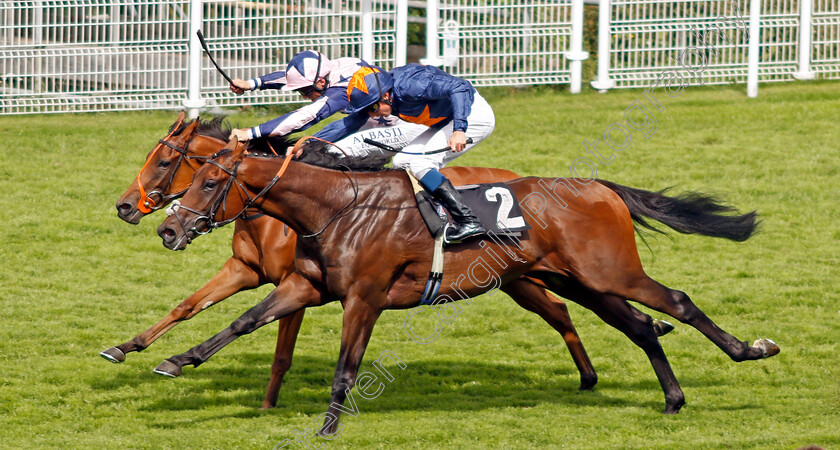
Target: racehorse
361,241
263,249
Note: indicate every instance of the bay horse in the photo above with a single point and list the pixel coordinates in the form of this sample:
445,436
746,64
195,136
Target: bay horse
263,249
361,241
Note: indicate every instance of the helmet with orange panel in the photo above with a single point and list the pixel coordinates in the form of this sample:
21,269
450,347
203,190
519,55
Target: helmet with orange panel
368,86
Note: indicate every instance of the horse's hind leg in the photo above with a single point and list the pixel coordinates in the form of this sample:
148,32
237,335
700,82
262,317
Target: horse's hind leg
678,305
635,324
534,298
288,328
235,276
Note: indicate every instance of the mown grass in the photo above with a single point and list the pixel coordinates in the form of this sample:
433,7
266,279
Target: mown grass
76,280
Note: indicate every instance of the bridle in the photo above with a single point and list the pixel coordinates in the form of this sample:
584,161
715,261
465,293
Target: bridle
155,199
204,222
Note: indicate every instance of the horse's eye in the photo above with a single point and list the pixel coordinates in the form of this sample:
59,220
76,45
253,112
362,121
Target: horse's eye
164,164
209,184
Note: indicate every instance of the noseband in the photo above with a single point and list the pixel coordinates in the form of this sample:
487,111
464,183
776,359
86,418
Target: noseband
147,203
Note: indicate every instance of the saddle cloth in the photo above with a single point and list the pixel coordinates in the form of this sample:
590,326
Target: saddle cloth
494,204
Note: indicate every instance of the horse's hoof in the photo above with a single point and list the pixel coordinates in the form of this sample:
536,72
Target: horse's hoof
662,327
328,432
768,348
168,369
587,383
674,409
674,406
113,354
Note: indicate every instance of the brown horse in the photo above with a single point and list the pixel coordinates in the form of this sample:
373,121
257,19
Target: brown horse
263,250
361,241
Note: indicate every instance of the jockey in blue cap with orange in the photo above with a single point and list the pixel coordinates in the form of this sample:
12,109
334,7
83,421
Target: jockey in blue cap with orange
451,108
324,82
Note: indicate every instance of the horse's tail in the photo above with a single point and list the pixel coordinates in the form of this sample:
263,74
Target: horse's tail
689,213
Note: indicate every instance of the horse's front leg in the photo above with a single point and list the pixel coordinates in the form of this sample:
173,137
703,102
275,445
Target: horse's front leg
291,295
359,318
235,276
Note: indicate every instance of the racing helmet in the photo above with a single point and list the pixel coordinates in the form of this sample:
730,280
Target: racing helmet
305,69
366,87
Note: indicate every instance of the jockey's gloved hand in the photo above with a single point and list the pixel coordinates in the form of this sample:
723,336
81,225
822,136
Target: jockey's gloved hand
241,135
239,86
458,141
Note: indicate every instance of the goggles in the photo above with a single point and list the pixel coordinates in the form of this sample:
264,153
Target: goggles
306,91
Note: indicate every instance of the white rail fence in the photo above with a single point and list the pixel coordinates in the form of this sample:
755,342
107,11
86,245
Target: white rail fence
494,43
98,55
736,41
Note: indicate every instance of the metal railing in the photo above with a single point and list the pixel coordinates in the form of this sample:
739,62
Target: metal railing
734,41
495,43
100,55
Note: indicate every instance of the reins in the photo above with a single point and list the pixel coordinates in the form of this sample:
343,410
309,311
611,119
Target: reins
220,202
354,183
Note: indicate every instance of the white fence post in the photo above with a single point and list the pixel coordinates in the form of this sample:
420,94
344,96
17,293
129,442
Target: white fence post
754,47
367,30
401,30
576,54
804,72
194,101
603,81
432,54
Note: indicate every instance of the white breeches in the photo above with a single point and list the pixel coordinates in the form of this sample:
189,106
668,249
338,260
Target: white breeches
480,124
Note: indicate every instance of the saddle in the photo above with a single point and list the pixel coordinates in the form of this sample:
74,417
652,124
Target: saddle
494,204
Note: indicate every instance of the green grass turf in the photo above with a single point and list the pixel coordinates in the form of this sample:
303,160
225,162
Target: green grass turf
75,280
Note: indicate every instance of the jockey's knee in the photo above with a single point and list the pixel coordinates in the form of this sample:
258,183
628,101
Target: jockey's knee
420,170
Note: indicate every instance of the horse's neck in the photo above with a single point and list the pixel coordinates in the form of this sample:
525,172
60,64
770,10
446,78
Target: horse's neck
305,197
201,145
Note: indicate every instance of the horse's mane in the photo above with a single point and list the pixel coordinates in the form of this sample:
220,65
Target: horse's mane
315,155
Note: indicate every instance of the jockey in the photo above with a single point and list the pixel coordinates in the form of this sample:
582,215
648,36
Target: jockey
451,108
324,83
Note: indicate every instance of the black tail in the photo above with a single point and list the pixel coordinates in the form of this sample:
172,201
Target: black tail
689,213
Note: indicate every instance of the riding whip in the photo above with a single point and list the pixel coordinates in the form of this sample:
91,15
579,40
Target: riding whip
207,50
388,148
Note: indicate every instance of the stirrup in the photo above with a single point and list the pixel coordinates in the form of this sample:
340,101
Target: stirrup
479,231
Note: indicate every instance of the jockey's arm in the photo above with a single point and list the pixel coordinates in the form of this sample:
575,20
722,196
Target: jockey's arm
339,129
274,80
460,94
297,120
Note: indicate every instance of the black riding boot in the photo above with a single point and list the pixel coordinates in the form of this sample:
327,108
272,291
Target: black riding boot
466,223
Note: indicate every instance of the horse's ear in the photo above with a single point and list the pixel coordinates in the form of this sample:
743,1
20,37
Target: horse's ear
188,131
232,143
181,117
239,148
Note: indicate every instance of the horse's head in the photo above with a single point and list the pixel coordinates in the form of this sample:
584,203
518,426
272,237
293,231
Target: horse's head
168,169
208,202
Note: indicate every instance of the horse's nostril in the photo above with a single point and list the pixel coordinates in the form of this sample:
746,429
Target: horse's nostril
124,208
168,234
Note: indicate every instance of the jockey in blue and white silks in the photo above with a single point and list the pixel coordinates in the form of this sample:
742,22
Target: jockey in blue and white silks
324,82
451,108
